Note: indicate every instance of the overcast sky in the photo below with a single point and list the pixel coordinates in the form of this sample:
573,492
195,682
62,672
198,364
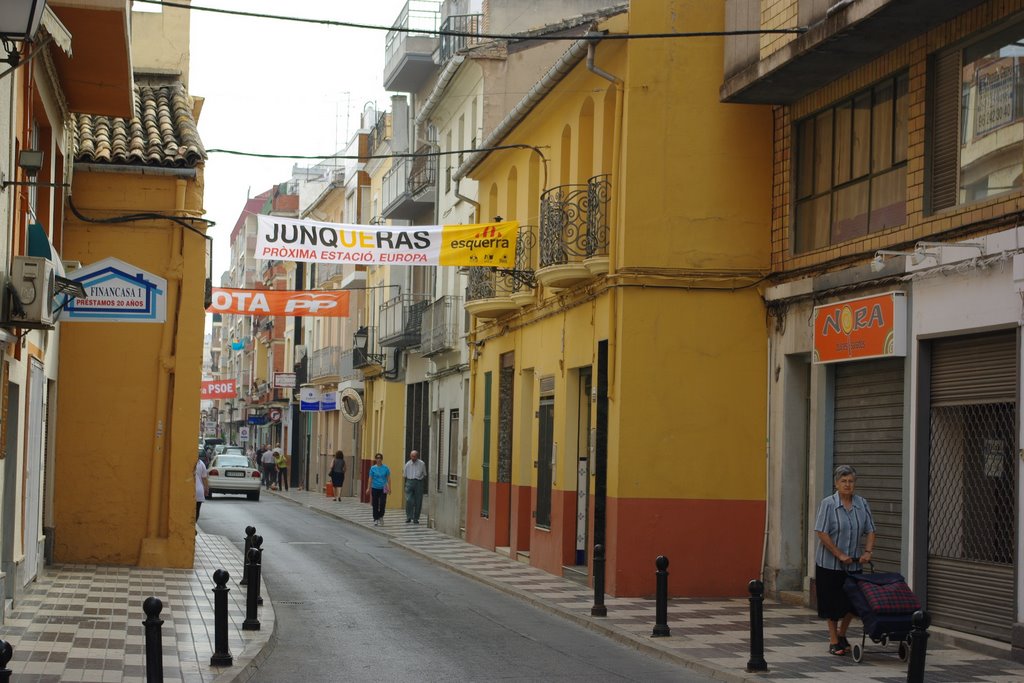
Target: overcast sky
279,87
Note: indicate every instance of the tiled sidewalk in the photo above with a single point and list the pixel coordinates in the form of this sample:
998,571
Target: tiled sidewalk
707,635
84,623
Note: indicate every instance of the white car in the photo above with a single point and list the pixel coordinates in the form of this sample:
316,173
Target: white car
234,473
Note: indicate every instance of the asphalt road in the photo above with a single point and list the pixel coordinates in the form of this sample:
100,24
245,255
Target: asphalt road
352,607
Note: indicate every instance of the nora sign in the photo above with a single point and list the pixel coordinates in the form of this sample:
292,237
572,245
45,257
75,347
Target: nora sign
857,329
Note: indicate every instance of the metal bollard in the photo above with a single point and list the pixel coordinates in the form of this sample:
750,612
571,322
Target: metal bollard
154,648
918,646
250,531
661,629
6,652
221,651
257,543
252,623
756,661
598,610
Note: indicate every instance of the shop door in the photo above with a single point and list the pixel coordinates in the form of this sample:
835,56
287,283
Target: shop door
584,450
972,484
868,434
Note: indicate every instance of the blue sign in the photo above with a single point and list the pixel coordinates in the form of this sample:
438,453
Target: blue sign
116,291
257,420
329,400
309,399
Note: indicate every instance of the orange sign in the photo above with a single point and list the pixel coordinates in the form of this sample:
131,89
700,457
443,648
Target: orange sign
218,388
869,327
328,304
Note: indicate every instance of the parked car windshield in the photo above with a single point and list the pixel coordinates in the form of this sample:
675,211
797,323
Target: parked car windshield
231,461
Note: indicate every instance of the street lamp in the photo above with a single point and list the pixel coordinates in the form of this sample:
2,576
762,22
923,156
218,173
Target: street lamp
231,420
19,20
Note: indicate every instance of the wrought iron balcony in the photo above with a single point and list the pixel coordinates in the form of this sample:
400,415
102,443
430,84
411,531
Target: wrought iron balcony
440,329
407,188
363,349
459,23
409,55
328,273
574,232
493,292
401,319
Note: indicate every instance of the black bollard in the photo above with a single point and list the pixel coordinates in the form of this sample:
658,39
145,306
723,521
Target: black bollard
918,646
661,629
598,610
250,531
6,652
257,543
756,661
154,648
221,651
252,623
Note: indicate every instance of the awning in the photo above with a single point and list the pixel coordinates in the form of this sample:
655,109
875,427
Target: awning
40,245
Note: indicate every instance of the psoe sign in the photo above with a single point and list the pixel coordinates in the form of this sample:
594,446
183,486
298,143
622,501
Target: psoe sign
858,329
218,388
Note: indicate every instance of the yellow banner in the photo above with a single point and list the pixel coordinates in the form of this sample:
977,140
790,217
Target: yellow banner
480,244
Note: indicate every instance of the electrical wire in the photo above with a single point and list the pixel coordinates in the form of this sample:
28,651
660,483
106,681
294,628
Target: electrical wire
142,216
470,34
365,157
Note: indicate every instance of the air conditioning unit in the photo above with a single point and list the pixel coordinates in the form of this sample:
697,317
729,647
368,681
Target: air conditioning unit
30,293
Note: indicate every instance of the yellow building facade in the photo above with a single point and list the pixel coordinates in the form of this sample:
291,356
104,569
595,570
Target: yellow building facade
617,377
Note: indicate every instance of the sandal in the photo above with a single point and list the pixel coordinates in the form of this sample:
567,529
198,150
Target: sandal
844,642
836,649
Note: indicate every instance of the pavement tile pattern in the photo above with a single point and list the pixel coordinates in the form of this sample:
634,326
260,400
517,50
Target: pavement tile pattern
709,635
84,623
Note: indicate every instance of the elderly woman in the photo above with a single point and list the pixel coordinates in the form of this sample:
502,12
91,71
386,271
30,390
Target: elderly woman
843,520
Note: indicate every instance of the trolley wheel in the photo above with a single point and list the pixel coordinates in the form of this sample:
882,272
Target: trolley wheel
858,653
884,640
903,651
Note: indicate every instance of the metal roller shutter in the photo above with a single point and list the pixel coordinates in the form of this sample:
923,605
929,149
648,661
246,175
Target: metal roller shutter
972,486
868,434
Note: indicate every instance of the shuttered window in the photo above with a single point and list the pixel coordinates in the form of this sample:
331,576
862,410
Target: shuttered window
976,120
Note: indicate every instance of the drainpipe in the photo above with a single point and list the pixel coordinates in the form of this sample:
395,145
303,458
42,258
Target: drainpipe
613,294
157,519
474,203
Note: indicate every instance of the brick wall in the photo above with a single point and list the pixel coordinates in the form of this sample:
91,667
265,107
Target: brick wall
976,218
777,14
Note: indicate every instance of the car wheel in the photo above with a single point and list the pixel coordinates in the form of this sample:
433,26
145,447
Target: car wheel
253,495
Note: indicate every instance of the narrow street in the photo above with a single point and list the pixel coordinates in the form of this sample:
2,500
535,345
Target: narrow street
350,606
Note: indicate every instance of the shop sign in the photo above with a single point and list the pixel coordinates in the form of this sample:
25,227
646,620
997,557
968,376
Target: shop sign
257,420
329,400
284,380
857,329
480,244
218,388
309,398
118,292
243,434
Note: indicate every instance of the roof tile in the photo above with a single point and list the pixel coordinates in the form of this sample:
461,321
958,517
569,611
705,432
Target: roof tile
163,132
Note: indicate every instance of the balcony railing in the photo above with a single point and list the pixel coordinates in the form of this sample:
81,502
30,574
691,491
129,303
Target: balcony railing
574,222
332,363
487,283
405,187
401,320
459,23
408,54
327,273
440,329
378,133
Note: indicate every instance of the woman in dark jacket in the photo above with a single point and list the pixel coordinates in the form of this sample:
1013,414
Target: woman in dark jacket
338,474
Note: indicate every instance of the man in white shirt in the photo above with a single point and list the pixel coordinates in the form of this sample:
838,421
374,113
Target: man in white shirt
415,474
269,468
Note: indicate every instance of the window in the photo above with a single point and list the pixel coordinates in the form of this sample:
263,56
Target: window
851,165
454,438
977,120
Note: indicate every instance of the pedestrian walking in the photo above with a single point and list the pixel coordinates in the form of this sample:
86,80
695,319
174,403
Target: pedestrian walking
843,520
202,482
415,474
269,468
338,474
282,461
379,487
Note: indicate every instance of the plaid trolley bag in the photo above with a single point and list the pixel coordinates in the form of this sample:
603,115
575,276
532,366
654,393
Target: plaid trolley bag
885,603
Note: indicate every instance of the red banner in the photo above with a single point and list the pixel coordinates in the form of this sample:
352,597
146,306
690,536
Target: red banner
326,304
218,388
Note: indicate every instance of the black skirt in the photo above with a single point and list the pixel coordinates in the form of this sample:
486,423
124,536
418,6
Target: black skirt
832,601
